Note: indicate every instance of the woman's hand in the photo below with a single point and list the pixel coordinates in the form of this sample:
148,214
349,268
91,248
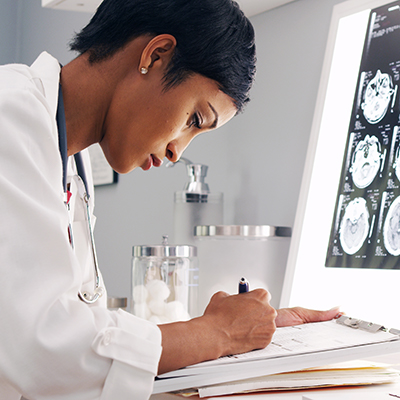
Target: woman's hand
230,325
245,321
299,315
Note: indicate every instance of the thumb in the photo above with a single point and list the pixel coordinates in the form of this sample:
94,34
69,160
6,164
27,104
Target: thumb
325,315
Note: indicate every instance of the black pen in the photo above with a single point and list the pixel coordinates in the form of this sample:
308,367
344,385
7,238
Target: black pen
243,286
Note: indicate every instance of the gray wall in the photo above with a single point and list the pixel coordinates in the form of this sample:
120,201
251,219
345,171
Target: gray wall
256,160
9,30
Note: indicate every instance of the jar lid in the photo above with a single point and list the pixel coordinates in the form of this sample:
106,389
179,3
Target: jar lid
164,251
250,231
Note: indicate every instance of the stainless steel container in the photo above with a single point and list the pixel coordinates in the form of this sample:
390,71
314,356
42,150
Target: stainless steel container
229,252
114,303
164,282
195,205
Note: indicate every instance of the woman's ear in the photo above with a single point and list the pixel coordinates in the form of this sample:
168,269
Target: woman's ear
157,53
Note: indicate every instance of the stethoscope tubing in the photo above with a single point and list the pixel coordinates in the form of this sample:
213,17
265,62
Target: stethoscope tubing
82,185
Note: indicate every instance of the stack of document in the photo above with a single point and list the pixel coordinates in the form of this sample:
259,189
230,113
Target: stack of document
292,349
341,374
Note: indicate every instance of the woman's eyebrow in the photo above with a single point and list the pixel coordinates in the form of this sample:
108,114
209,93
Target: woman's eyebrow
215,123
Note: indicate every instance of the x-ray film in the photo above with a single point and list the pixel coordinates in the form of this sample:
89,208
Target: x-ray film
365,229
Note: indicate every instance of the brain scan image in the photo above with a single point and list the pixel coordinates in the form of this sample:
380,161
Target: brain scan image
377,97
366,161
354,226
396,164
391,228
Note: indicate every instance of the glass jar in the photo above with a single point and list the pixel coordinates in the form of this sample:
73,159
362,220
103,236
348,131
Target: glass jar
164,282
226,253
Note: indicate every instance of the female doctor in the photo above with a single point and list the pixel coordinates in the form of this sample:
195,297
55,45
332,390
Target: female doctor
150,76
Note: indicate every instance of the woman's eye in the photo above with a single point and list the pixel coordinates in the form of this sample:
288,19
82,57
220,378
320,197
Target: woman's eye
196,121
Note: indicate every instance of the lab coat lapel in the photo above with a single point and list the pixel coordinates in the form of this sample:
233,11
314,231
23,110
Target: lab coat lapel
47,69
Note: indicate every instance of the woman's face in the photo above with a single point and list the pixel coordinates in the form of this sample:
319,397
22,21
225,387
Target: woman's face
144,123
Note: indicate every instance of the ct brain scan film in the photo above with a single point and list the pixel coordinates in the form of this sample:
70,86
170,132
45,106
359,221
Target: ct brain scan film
365,229
354,226
366,161
345,246
377,97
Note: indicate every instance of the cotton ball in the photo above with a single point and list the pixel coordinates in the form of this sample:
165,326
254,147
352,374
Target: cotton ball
142,310
140,294
158,290
175,311
157,307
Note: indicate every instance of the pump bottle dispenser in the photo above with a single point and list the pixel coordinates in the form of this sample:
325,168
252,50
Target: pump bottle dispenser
195,205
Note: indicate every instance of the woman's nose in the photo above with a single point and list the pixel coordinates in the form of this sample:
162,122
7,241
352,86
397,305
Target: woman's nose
172,152
175,149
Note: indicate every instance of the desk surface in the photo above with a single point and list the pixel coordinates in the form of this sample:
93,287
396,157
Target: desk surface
375,392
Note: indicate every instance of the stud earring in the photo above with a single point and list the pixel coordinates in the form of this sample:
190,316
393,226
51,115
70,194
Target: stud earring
144,70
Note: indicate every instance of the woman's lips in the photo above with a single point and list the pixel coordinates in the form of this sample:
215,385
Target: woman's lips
156,161
151,161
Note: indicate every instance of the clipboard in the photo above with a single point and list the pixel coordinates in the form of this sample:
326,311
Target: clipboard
292,348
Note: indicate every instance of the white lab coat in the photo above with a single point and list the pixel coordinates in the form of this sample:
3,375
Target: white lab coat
52,345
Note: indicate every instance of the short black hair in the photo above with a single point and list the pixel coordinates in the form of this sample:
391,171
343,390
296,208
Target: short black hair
214,39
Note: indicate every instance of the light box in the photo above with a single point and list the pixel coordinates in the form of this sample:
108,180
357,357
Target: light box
345,247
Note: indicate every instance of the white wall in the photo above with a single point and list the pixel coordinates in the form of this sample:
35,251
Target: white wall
256,160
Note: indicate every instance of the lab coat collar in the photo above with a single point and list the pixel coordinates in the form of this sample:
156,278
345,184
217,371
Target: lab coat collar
47,69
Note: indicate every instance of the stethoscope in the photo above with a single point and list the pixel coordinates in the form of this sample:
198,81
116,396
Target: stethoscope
82,185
